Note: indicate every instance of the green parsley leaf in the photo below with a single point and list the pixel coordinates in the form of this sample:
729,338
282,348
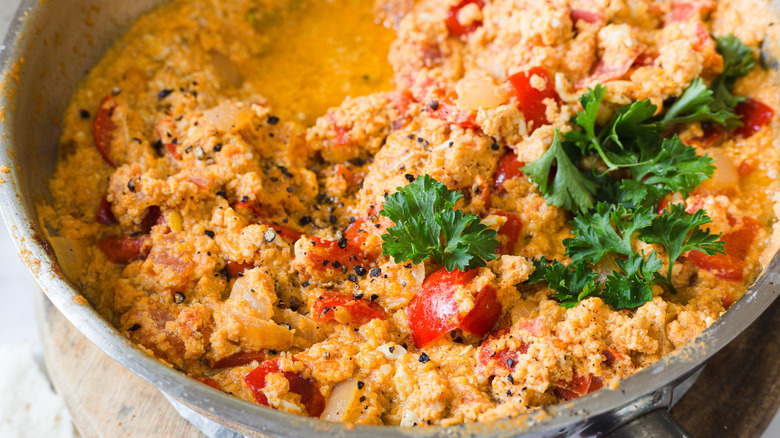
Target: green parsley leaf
679,231
570,189
737,63
717,103
572,284
634,285
428,226
696,105
674,168
606,230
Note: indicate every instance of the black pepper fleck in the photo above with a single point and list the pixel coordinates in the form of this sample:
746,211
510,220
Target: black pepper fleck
361,271
495,146
375,272
272,120
165,93
178,298
209,233
343,242
217,147
134,327
84,114
424,357
409,177
360,384
434,104
306,220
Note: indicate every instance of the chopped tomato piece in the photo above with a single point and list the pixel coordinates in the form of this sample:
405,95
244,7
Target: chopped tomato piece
682,11
238,359
327,254
236,269
104,215
433,311
745,168
152,217
256,209
508,167
603,72
208,381
577,387
122,249
726,300
454,25
729,266
509,233
354,234
287,233
586,16
345,309
530,100
306,388
488,310
447,110
712,135
103,128
351,178
755,115
173,148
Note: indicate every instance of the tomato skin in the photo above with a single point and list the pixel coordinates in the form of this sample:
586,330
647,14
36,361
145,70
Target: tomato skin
488,310
287,233
208,381
354,234
238,359
360,311
508,167
103,128
254,208
152,217
755,115
586,16
448,111
454,26
236,269
122,249
326,253
104,215
433,311
306,388
577,387
729,266
509,233
530,101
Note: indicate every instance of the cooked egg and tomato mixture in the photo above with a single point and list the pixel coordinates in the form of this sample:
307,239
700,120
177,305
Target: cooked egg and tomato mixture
421,213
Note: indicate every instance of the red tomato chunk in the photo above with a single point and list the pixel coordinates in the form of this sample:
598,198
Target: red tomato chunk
433,311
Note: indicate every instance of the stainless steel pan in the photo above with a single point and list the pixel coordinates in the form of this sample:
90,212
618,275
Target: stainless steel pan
49,48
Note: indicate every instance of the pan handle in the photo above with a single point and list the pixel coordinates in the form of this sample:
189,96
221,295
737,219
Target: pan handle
658,423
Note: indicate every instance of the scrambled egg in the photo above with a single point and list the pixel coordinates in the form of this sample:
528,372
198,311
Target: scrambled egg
223,167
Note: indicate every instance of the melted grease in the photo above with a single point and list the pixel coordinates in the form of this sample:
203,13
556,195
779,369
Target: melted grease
316,53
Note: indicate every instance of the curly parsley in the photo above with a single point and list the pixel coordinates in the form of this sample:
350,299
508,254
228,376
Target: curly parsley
427,225
615,199
609,232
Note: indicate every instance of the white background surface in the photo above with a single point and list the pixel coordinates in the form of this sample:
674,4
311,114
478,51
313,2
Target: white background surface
17,321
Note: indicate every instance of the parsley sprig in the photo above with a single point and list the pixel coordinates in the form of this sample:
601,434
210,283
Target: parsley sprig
636,165
427,225
608,233
632,142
